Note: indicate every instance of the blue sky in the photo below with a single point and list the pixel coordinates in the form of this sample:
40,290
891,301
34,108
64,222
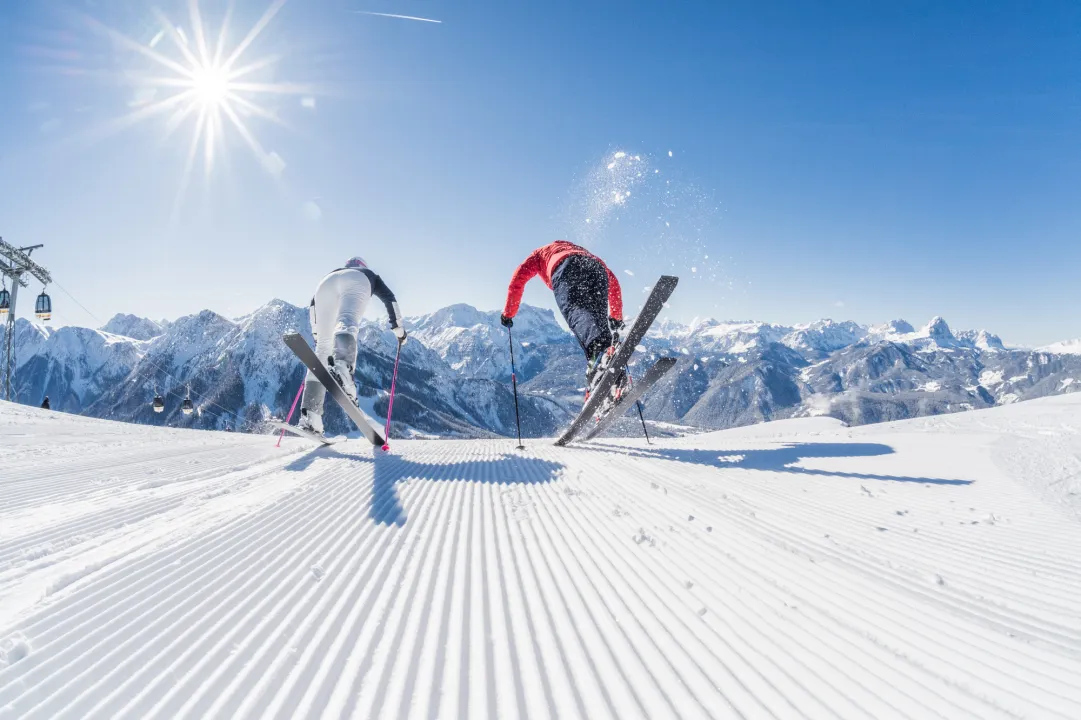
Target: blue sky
852,160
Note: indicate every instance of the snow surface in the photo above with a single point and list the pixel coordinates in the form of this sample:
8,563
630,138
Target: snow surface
1066,347
920,569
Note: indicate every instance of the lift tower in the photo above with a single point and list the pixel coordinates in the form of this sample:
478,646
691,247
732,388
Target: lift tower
15,263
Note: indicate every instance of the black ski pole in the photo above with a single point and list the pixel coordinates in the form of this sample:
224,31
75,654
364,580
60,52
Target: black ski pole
643,419
514,384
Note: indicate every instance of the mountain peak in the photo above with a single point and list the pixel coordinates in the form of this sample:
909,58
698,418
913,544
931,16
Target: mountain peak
901,327
937,329
132,326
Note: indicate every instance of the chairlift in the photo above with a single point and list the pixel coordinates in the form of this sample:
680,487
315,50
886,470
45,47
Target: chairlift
186,407
44,306
5,301
159,404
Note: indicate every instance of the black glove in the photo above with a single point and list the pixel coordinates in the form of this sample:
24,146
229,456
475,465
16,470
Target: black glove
616,325
507,322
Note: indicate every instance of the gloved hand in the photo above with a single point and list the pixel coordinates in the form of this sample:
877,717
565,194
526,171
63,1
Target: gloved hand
399,332
507,322
616,325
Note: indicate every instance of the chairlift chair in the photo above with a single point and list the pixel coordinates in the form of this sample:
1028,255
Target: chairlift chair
44,306
159,404
186,407
5,301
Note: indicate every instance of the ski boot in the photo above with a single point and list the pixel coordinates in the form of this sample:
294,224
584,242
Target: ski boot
311,423
598,365
345,380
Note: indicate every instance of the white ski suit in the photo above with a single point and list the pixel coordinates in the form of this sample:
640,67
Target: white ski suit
335,313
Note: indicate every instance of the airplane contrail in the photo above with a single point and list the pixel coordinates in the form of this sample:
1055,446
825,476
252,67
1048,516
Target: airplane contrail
400,17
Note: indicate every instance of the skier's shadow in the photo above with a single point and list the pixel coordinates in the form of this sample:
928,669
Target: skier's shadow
780,459
390,469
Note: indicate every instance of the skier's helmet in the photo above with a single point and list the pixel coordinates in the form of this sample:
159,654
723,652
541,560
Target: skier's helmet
356,262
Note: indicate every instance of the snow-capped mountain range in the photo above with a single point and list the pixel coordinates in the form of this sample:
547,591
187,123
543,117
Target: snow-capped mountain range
455,373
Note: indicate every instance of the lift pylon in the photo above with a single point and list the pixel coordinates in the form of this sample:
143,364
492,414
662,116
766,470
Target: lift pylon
15,264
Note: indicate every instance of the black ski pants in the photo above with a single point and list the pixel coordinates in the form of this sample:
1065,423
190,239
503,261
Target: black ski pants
580,284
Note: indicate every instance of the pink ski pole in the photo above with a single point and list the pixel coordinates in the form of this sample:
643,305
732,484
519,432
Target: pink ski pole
390,403
295,401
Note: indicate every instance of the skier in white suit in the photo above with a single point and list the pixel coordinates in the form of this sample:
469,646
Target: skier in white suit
335,312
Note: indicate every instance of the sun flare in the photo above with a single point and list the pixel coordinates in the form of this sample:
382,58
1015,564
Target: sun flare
209,82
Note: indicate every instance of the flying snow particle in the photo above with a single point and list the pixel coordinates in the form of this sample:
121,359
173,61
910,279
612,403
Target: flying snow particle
696,366
308,102
629,273
619,155
667,224
611,165
669,153
588,220
694,269
640,348
685,351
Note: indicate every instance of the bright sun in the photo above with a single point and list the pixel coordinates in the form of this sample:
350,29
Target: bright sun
211,85
205,81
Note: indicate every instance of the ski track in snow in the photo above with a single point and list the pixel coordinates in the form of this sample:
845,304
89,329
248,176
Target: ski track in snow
793,569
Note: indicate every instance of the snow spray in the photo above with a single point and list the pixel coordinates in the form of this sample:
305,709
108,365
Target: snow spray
641,204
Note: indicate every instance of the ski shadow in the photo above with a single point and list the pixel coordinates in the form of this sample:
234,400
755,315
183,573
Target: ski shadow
503,470
305,461
780,459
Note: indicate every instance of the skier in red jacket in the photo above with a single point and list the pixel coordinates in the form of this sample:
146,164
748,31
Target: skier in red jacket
587,293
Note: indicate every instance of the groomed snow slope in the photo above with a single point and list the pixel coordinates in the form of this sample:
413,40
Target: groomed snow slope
797,569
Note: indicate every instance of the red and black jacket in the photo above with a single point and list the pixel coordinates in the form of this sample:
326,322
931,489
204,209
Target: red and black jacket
543,261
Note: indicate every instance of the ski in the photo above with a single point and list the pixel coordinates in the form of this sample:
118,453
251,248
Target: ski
652,308
630,396
301,432
304,352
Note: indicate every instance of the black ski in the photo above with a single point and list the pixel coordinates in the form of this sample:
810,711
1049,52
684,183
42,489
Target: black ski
631,395
303,351
301,432
654,303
